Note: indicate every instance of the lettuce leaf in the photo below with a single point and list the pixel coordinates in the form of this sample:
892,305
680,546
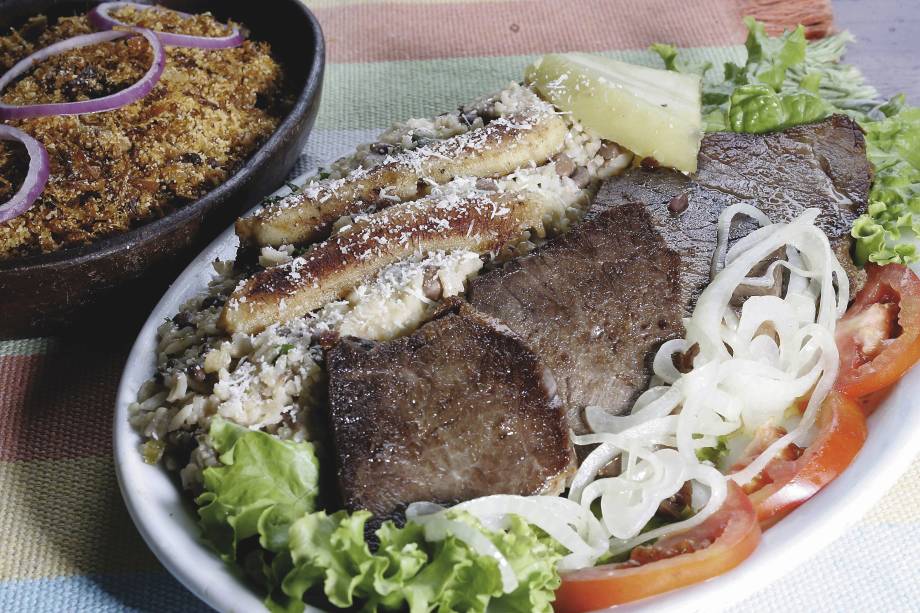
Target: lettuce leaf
790,67
267,487
408,572
890,230
264,483
758,108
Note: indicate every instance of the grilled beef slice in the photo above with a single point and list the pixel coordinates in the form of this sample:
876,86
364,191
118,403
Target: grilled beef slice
596,303
459,409
822,165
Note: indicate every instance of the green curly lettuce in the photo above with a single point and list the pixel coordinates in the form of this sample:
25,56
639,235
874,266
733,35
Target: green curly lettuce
262,486
758,108
408,572
258,510
889,231
786,81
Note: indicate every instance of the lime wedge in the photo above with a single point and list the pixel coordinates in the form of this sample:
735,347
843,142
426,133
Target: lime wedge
654,113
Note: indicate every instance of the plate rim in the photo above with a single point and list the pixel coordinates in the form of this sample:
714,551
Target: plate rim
836,507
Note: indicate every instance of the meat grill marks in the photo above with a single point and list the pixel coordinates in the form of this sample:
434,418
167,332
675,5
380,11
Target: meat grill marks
594,304
822,165
480,222
461,408
528,137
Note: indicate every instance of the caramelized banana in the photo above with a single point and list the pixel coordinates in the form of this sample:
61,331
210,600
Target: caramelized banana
496,149
480,222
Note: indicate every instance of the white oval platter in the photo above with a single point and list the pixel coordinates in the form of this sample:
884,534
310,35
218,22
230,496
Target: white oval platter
168,525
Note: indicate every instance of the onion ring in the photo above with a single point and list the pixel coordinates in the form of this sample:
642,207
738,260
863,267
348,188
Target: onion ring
37,177
107,103
100,18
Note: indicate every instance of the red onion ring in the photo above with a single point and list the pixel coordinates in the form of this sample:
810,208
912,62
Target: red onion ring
36,178
106,103
100,18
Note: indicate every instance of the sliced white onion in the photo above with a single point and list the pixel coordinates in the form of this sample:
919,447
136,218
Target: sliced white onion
829,364
572,526
630,500
438,527
718,492
656,402
723,231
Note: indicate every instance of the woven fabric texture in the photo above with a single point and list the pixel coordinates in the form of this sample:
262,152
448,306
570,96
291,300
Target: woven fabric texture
66,541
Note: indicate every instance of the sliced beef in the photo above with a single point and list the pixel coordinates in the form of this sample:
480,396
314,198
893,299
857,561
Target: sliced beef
594,304
822,165
461,408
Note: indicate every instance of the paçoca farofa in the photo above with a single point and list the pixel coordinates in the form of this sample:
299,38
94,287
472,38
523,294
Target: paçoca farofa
115,170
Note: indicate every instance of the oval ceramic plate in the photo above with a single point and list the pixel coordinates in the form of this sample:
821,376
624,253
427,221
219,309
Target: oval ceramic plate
168,523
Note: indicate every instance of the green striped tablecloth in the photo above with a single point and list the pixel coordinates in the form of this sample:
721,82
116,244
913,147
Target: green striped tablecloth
66,542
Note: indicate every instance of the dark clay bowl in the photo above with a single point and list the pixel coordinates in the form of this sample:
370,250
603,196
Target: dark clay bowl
117,279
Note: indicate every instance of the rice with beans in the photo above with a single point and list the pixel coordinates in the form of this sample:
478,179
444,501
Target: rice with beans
274,380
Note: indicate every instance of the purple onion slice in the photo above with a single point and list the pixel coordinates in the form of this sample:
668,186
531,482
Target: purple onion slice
107,103
36,178
101,18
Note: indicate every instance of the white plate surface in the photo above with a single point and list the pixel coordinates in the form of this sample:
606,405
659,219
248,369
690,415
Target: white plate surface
171,531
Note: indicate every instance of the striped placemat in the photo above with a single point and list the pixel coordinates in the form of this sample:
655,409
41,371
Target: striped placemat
66,540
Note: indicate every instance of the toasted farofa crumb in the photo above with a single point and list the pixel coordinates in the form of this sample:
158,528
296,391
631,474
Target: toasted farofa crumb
115,170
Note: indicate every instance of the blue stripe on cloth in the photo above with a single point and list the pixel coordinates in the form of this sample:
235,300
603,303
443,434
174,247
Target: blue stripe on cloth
143,592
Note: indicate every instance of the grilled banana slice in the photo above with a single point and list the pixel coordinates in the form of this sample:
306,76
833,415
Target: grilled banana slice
480,221
527,137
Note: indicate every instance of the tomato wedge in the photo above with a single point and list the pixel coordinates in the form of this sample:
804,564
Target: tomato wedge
879,335
796,475
717,545
872,401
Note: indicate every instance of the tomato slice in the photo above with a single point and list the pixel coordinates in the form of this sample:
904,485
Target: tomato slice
872,401
717,545
879,335
796,475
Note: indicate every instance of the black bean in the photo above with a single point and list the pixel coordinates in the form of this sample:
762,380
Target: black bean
581,177
609,150
213,301
683,361
678,204
183,320
486,184
431,286
190,157
564,165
